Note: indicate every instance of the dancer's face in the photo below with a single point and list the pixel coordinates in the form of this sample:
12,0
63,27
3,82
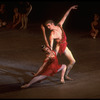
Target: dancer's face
47,50
50,26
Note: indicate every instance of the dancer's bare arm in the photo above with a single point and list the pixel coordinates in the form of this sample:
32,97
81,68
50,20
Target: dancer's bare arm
51,40
19,20
66,14
29,10
92,26
44,35
42,67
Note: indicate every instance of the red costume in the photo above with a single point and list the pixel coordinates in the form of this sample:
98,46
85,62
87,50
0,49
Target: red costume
51,67
63,42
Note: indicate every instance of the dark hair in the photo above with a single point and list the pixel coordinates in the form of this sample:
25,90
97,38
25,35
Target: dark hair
49,21
43,47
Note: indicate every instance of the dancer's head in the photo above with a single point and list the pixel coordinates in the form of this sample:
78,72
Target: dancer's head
15,10
96,17
49,24
46,49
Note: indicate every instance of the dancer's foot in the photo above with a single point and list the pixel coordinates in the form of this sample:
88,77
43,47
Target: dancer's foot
24,27
68,78
21,27
25,86
94,37
62,81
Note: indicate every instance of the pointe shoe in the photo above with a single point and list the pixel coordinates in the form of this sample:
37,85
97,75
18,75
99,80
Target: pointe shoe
68,78
25,86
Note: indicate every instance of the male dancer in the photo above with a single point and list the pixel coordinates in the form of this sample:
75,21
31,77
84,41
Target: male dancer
58,34
49,67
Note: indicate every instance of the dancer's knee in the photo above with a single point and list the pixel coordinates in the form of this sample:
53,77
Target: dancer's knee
73,62
64,66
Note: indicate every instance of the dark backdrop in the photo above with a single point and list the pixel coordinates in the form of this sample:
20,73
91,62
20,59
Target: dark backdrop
55,9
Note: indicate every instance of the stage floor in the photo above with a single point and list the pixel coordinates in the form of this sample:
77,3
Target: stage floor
20,54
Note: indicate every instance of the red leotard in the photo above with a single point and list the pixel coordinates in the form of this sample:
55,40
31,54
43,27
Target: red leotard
63,42
51,67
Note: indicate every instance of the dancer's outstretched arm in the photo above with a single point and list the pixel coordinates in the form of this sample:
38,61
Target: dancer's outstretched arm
42,67
29,9
66,14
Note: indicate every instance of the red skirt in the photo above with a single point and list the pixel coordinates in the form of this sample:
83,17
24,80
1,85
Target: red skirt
62,47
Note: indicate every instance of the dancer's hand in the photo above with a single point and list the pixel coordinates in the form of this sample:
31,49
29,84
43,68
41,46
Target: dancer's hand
74,7
34,74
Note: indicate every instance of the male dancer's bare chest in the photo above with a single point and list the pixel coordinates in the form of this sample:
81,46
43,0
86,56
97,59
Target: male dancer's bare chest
57,34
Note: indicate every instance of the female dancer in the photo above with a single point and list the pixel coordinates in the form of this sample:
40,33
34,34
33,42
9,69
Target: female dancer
49,67
95,26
